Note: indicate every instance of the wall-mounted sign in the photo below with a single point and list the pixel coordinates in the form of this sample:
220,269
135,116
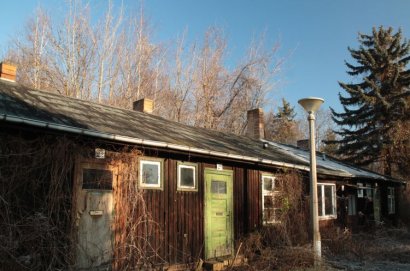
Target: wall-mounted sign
219,167
96,213
99,153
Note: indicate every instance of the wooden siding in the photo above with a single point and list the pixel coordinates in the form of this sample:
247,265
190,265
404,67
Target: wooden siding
178,236
239,202
254,205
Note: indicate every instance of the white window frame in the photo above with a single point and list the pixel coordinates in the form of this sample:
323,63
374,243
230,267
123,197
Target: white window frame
181,165
322,187
273,193
362,188
391,200
151,161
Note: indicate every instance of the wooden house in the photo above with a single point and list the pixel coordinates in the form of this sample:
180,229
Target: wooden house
199,191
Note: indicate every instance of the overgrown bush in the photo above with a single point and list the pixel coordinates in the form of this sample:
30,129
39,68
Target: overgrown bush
35,201
36,210
283,245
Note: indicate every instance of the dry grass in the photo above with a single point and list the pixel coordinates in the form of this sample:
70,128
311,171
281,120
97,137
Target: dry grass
387,244
264,255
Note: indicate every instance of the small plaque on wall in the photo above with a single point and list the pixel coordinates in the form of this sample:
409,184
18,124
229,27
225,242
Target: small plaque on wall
96,213
219,167
99,153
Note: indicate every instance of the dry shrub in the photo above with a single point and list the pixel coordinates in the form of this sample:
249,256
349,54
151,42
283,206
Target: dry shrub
135,248
282,245
36,229
294,219
343,242
35,201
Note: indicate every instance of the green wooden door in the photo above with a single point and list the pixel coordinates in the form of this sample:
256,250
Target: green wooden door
218,213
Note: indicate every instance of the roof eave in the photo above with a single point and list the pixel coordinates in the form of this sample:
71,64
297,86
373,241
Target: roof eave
144,142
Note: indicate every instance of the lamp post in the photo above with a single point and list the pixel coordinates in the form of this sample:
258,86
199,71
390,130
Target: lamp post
311,105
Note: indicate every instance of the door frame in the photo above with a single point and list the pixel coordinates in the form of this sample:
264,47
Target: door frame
228,173
90,163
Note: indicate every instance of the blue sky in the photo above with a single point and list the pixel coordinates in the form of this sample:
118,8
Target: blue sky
314,35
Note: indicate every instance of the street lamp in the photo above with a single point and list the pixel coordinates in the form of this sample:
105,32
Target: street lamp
311,105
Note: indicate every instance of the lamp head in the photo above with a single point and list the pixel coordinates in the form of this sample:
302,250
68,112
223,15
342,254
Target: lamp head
311,104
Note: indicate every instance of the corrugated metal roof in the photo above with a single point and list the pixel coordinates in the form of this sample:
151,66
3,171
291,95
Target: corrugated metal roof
32,107
328,163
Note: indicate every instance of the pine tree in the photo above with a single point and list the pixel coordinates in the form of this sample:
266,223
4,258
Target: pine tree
286,111
282,127
375,104
329,149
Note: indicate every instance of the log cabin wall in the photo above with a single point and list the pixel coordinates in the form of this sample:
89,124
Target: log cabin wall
179,237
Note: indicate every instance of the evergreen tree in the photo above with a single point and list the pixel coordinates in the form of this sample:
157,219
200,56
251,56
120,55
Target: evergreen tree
375,104
329,149
282,127
286,112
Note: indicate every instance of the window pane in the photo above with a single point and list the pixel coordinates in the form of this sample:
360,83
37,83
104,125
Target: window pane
97,179
352,205
267,183
328,200
319,198
150,174
269,214
268,201
187,176
218,187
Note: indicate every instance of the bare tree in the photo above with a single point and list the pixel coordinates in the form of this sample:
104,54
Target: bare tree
324,125
30,52
140,66
219,97
181,82
72,52
115,61
106,43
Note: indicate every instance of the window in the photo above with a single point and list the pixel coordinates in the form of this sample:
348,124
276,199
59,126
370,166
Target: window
391,204
100,179
150,175
326,195
352,205
218,187
364,191
187,177
271,199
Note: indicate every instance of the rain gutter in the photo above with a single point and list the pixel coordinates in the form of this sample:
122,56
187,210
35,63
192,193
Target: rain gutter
152,143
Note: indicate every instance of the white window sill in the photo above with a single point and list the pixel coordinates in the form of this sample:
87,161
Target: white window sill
329,217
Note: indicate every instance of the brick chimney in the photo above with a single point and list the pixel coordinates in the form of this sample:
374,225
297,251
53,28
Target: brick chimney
8,71
256,126
303,144
143,105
